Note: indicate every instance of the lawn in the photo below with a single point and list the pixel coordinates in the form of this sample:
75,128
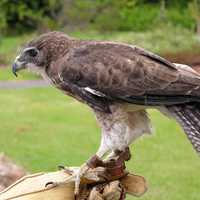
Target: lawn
42,128
7,75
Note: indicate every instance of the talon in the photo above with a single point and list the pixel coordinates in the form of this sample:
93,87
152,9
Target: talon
77,178
61,167
127,154
123,155
94,162
51,183
65,169
75,196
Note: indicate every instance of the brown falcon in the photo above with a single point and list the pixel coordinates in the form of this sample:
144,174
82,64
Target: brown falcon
119,82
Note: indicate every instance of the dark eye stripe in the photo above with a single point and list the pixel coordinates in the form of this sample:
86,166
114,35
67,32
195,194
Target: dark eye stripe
32,51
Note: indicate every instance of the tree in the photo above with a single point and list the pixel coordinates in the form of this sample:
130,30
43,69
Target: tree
17,16
194,8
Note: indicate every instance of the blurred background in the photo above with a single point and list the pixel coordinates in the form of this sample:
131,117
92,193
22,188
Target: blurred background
41,128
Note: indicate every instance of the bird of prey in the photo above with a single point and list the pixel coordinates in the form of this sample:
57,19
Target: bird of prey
119,82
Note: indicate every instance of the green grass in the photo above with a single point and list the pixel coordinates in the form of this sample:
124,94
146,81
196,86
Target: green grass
9,48
6,74
41,128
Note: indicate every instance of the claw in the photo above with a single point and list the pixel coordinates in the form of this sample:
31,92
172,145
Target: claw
50,184
61,167
65,169
75,196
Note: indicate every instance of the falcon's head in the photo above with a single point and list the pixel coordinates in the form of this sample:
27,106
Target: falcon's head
40,52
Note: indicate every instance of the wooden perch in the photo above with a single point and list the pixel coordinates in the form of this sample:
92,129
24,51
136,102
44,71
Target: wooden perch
96,185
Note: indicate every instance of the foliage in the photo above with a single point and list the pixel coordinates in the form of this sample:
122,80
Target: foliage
194,8
108,15
125,15
181,17
127,18
175,40
17,16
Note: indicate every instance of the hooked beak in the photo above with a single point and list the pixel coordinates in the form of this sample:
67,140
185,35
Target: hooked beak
17,66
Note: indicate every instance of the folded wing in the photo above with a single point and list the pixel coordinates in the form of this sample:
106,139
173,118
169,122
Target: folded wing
129,74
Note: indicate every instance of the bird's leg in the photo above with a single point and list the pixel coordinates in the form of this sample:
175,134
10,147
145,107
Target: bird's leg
119,155
93,162
115,162
110,156
114,167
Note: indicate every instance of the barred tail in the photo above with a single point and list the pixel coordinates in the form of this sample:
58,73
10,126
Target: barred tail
188,116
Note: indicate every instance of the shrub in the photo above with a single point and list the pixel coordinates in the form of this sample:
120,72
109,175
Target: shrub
17,16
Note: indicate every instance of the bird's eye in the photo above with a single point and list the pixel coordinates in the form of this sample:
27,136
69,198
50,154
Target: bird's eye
32,52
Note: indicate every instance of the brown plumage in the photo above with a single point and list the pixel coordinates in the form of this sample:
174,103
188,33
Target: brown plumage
118,82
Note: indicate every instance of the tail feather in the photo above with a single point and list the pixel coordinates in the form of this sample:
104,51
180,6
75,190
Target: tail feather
188,116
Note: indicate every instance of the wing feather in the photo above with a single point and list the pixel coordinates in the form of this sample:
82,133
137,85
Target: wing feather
128,73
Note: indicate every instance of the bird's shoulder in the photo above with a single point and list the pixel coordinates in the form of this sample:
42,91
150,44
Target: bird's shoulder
112,65
114,51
